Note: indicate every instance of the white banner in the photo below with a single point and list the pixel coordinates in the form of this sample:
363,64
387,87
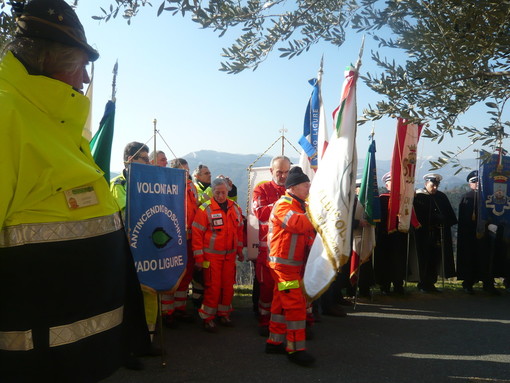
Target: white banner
256,177
332,196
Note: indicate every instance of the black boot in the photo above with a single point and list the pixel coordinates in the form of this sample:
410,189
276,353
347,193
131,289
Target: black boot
301,358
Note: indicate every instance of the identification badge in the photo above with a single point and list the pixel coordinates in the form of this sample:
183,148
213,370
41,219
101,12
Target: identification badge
81,197
217,222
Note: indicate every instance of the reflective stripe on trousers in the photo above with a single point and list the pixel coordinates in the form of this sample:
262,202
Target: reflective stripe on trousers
63,334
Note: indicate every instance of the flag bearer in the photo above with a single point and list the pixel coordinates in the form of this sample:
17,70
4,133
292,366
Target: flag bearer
434,238
217,239
291,235
390,255
71,306
265,196
174,305
474,258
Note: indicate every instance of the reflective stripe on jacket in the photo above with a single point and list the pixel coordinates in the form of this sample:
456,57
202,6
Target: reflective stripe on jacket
216,232
290,236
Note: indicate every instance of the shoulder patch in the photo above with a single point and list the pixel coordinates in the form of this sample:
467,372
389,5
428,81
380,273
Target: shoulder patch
205,205
286,199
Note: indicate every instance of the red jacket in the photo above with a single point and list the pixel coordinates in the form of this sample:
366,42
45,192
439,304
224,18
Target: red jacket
216,232
264,197
191,205
291,235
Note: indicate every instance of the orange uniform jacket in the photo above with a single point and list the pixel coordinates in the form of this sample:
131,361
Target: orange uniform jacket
217,232
291,235
191,205
264,197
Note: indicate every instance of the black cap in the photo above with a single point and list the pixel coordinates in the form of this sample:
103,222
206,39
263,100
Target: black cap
472,177
53,20
296,177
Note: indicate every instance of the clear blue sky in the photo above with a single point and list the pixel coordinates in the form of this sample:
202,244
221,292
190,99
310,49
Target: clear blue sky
168,70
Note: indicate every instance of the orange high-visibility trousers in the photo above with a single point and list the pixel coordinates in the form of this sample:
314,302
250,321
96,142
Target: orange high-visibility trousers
266,287
219,280
288,314
181,294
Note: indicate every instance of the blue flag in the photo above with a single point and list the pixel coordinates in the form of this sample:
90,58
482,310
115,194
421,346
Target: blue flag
155,216
494,206
310,136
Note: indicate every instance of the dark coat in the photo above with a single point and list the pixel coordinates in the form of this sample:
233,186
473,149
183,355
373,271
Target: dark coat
433,212
469,248
391,250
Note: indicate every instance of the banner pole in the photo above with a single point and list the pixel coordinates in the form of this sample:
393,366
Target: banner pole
155,122
161,340
408,243
441,228
358,268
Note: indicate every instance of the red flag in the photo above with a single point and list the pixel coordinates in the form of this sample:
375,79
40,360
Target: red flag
403,169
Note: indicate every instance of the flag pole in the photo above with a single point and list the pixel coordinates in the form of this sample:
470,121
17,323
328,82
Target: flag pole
358,63
161,340
155,122
282,131
358,268
114,80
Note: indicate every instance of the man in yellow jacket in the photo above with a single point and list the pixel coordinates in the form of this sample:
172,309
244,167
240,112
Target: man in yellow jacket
71,306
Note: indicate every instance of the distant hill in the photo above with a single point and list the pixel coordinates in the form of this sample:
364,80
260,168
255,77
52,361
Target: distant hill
235,166
230,165
450,180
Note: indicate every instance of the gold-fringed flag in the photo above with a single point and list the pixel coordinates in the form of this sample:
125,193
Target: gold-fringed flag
332,195
403,171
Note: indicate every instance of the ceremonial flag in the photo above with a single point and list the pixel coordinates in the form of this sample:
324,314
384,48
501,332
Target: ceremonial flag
315,136
368,198
101,143
332,195
369,189
494,206
403,170
156,229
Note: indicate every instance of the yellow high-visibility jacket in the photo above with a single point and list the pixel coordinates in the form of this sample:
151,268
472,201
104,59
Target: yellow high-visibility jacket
43,151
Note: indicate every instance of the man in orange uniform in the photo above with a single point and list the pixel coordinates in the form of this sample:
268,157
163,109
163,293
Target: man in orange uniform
174,305
291,235
217,237
264,197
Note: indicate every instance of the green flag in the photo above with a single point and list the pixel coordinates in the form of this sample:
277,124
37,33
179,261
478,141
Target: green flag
369,193
101,143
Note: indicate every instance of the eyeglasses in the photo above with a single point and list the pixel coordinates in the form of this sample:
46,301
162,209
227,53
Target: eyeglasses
144,158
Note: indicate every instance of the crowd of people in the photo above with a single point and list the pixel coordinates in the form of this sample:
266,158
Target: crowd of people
62,232
426,252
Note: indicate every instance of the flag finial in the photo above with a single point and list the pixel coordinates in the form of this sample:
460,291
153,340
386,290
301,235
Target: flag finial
114,81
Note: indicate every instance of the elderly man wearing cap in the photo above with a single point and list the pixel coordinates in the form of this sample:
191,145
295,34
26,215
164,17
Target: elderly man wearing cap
434,238
290,238
390,254
71,303
473,259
